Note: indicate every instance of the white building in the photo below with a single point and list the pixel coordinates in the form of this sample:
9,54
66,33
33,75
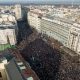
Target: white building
8,34
74,38
18,12
8,29
57,28
34,20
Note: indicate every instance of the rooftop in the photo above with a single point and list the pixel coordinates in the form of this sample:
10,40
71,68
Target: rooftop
7,26
59,19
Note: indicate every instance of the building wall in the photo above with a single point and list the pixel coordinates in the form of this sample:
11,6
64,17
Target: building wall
78,46
8,36
3,39
34,21
55,30
18,12
74,39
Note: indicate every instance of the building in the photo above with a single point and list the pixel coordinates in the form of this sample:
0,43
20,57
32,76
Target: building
8,31
74,38
34,20
18,12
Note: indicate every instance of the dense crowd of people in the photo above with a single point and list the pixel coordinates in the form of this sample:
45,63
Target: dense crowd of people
47,61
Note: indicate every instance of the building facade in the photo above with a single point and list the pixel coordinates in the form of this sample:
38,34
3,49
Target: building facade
8,31
74,38
56,28
18,12
34,20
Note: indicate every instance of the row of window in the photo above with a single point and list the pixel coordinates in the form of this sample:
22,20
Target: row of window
63,41
54,31
55,35
67,26
55,26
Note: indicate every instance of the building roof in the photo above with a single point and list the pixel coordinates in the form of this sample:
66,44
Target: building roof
13,71
59,19
37,13
5,26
